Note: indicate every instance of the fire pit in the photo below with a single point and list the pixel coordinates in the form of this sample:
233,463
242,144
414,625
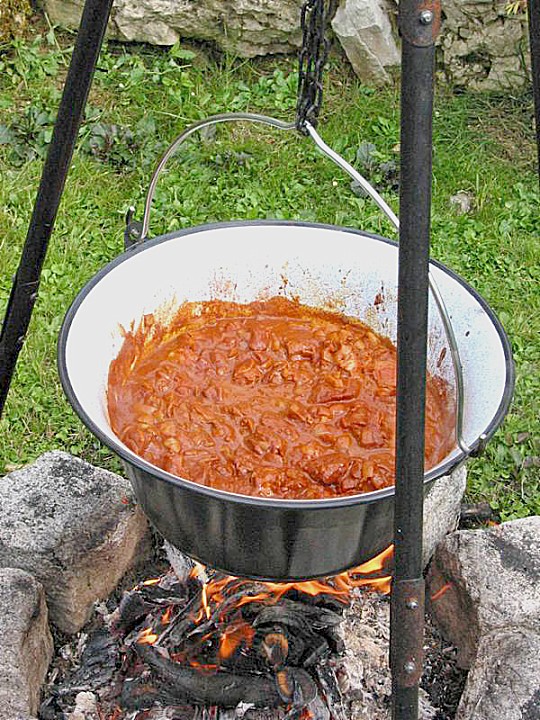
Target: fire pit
194,638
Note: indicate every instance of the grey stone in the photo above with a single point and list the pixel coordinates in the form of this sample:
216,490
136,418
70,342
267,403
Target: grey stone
504,681
75,527
477,38
244,27
462,202
25,641
482,45
505,73
365,33
180,563
480,581
442,506
85,707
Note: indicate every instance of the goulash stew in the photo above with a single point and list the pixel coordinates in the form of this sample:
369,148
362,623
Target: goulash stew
270,398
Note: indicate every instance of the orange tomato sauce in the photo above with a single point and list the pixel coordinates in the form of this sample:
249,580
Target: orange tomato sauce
271,398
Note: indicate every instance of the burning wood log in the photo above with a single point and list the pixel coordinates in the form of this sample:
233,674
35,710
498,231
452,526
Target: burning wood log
131,609
141,694
291,686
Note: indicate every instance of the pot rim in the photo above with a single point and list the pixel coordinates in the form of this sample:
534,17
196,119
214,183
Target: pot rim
128,456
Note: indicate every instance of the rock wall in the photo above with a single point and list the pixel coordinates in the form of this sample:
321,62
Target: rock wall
243,27
481,45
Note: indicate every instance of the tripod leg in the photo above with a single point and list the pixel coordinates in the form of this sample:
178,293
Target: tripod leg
26,283
533,7
419,26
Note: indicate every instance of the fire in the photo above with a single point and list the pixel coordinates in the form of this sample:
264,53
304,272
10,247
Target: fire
216,592
219,614
442,591
115,714
233,636
379,562
147,637
166,617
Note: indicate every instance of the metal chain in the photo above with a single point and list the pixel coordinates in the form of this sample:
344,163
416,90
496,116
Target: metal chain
314,19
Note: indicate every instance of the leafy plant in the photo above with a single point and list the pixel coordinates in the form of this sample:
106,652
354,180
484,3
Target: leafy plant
379,168
118,146
28,136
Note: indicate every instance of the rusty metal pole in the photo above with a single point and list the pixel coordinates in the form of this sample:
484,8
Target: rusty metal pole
26,282
533,9
419,23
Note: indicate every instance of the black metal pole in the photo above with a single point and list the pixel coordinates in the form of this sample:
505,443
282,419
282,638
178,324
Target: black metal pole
26,282
419,25
533,9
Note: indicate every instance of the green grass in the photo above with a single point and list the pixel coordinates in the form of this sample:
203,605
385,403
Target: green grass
142,98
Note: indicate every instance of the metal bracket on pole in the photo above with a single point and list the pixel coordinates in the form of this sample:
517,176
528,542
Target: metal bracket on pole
406,649
420,23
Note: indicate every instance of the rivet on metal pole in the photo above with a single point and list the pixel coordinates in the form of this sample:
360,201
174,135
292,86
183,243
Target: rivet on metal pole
426,17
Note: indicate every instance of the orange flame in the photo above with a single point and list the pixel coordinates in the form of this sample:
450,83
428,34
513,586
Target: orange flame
221,598
202,667
442,591
232,637
115,714
166,617
147,637
215,592
180,657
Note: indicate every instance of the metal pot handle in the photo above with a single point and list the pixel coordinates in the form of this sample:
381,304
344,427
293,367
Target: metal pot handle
137,232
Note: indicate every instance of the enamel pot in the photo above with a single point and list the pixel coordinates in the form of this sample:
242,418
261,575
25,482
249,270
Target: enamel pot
324,266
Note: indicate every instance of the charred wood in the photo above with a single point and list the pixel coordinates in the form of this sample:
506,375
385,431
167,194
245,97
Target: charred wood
297,614
304,628
330,691
334,640
99,661
131,609
275,649
291,686
316,652
141,694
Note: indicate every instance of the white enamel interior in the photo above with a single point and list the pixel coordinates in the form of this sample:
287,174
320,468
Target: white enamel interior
325,267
